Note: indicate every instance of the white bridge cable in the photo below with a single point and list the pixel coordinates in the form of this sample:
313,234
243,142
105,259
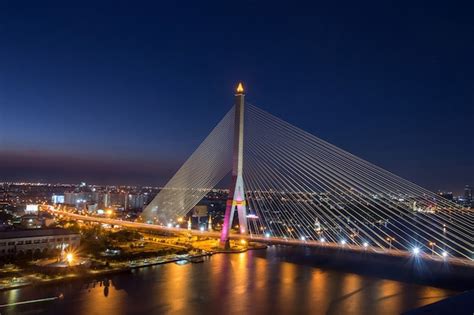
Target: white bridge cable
302,187
355,159
297,187
293,161
201,172
273,141
346,179
328,162
344,199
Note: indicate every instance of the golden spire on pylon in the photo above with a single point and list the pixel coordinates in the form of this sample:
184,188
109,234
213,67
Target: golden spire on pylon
240,88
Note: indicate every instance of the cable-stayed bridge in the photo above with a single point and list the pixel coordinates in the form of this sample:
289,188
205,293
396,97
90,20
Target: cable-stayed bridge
290,184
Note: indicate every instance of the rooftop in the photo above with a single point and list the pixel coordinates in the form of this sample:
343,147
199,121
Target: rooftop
34,233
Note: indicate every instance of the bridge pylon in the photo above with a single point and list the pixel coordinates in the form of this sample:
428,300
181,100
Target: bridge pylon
236,199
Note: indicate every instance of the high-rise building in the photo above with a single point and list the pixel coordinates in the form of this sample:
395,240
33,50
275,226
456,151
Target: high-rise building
136,201
468,193
74,198
116,199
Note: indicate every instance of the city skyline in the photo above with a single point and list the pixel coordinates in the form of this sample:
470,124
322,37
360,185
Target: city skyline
130,108
245,157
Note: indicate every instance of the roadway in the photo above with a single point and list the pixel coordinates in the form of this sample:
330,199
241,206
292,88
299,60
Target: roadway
272,240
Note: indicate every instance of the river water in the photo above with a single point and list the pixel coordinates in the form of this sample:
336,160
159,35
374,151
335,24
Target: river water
271,281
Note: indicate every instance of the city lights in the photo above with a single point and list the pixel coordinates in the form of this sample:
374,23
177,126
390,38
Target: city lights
324,182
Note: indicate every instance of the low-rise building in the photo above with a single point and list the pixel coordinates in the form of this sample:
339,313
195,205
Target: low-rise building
36,241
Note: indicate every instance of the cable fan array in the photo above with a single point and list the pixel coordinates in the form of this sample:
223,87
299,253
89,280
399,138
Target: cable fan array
203,170
301,187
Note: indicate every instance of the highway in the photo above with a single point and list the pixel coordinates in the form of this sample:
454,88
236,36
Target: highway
272,240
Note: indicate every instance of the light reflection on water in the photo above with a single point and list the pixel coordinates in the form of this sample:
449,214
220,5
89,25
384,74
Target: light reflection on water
247,283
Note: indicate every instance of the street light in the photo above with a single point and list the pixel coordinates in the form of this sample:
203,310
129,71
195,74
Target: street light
389,240
432,245
69,258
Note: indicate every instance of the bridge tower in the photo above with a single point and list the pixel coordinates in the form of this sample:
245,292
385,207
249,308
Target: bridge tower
236,199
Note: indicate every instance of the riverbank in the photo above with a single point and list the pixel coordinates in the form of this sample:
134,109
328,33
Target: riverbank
38,279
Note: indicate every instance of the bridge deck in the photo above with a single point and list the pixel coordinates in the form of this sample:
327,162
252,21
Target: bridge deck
276,240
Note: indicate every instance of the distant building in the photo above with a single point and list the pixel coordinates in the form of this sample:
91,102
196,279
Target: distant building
114,199
136,201
75,198
446,195
468,194
34,221
31,209
57,199
28,242
30,221
200,211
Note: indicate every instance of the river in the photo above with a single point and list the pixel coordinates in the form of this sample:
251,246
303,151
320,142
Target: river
271,281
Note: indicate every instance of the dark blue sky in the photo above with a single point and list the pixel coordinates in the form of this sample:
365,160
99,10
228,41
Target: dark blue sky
123,91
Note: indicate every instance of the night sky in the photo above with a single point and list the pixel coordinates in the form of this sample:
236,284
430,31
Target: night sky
122,92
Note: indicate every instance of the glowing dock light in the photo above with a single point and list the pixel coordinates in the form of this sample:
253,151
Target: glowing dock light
444,254
343,242
267,234
366,244
322,240
69,258
416,250
303,238
201,229
170,225
243,242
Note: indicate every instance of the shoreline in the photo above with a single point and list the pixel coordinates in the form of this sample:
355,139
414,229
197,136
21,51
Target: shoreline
118,270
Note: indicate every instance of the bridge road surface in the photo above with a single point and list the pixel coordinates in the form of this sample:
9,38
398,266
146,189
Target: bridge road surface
455,261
